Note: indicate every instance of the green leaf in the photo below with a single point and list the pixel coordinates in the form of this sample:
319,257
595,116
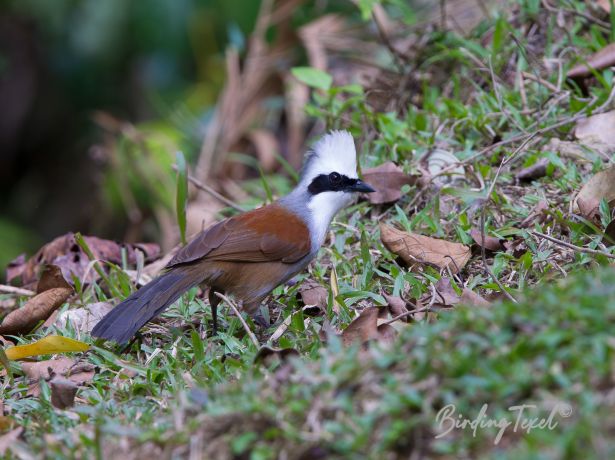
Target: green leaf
182,194
312,77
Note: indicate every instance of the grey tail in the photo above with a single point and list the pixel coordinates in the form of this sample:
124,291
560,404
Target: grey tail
123,322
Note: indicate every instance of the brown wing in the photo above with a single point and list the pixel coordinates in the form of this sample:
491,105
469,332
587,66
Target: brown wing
267,234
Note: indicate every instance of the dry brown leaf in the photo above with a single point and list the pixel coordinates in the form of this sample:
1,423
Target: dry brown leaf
9,439
598,61
84,319
601,186
600,127
63,392
449,297
387,179
77,372
413,248
66,253
491,243
53,292
366,327
533,172
362,328
313,293
397,306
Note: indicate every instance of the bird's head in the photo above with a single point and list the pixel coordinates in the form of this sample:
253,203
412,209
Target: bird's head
330,176
330,168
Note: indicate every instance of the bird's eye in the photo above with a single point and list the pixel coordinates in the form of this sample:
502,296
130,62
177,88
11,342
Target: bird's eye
335,178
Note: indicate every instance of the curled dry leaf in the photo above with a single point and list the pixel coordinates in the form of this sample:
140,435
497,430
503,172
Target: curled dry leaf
600,127
413,248
63,392
449,297
599,187
491,243
53,291
84,319
597,61
66,253
387,179
440,159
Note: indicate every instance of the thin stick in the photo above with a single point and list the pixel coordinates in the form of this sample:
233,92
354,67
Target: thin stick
206,188
572,246
16,290
243,321
407,313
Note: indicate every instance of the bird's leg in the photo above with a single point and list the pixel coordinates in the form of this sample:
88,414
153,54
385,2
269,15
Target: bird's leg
214,300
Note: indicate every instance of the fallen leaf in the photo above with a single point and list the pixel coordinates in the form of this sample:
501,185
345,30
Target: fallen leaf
599,60
491,243
387,179
79,373
413,248
53,291
397,306
604,4
84,319
8,440
600,127
362,328
599,187
63,392
449,296
66,254
533,172
313,293
45,346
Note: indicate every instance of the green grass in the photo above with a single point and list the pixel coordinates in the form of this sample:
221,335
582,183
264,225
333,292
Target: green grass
180,389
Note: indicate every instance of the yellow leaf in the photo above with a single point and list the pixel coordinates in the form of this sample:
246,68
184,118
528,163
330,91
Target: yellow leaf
45,346
335,290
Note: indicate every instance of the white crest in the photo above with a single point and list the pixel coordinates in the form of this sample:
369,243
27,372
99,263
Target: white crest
334,152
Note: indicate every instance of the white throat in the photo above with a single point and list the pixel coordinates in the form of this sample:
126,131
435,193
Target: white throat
323,208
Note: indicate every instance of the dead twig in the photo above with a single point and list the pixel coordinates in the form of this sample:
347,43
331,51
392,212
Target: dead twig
572,246
243,321
206,188
15,290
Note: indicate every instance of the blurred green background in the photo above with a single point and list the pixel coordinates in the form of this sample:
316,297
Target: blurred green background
68,68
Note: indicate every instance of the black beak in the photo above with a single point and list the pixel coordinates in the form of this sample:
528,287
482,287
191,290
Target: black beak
360,186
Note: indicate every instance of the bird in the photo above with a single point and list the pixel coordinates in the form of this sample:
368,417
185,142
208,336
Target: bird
250,254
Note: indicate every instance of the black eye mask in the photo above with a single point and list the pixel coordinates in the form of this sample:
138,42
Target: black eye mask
336,182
